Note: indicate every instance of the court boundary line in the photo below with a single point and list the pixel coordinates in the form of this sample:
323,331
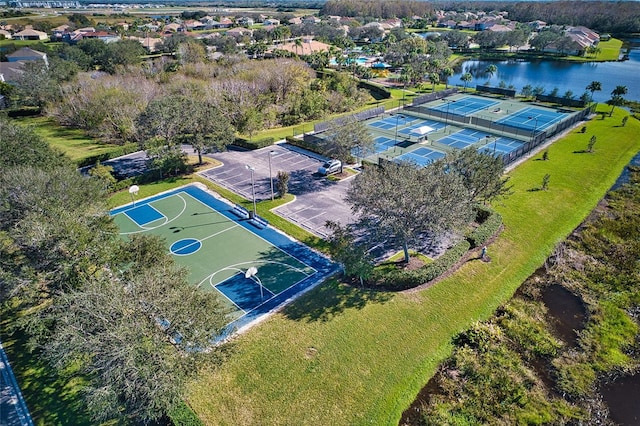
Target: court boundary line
257,235
143,229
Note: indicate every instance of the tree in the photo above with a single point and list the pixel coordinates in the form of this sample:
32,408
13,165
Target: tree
527,91
354,256
120,54
104,174
466,78
206,126
403,204
592,142
118,312
446,73
482,174
491,70
624,120
594,86
545,182
138,333
617,98
434,78
346,136
282,183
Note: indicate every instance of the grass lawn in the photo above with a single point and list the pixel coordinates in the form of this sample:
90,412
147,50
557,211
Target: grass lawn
73,142
345,356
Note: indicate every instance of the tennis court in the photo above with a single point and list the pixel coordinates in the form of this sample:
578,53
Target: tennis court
250,268
415,130
390,123
532,118
464,106
422,156
501,146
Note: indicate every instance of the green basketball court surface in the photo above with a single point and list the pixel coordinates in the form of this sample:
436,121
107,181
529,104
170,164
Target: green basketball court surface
252,269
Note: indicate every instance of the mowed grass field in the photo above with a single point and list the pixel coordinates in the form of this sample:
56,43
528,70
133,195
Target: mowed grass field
346,356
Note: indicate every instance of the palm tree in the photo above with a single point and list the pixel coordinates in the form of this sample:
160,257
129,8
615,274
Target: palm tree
434,78
298,43
594,86
446,73
617,97
491,70
466,77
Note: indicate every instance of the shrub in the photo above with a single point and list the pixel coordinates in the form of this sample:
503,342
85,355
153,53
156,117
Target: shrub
398,279
485,230
305,145
257,144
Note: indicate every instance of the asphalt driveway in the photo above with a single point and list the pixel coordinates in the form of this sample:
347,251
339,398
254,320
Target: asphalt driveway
317,198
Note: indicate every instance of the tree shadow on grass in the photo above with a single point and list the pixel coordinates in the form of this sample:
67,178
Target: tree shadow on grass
332,299
51,398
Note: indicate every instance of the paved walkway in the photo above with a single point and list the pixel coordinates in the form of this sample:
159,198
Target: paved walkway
13,410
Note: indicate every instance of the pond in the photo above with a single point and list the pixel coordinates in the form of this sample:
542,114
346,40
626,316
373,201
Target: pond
560,74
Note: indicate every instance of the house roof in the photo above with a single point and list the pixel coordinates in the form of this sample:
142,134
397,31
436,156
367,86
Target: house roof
307,47
26,52
30,32
11,71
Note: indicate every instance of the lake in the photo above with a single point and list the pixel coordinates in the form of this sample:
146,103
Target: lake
563,75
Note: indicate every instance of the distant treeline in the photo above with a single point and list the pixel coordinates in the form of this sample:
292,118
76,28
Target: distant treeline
603,16
384,9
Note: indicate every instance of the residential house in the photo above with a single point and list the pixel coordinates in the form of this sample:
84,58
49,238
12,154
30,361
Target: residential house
101,35
149,43
6,35
225,23
172,27
537,25
307,47
27,54
10,72
239,32
30,34
295,21
271,21
310,19
245,21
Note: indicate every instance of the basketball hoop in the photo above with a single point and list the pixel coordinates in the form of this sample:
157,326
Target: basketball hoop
133,190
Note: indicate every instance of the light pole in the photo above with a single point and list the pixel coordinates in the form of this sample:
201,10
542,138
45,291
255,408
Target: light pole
446,117
253,188
270,178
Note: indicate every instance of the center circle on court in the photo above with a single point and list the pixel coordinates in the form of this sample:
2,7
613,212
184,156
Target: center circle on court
185,246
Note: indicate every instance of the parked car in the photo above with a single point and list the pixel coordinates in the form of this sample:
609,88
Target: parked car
330,167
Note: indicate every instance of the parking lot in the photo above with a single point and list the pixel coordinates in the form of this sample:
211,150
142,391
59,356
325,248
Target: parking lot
318,199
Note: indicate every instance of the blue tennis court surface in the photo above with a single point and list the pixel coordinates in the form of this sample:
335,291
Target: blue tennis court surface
467,137
532,118
411,130
392,122
421,156
144,214
464,106
501,146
